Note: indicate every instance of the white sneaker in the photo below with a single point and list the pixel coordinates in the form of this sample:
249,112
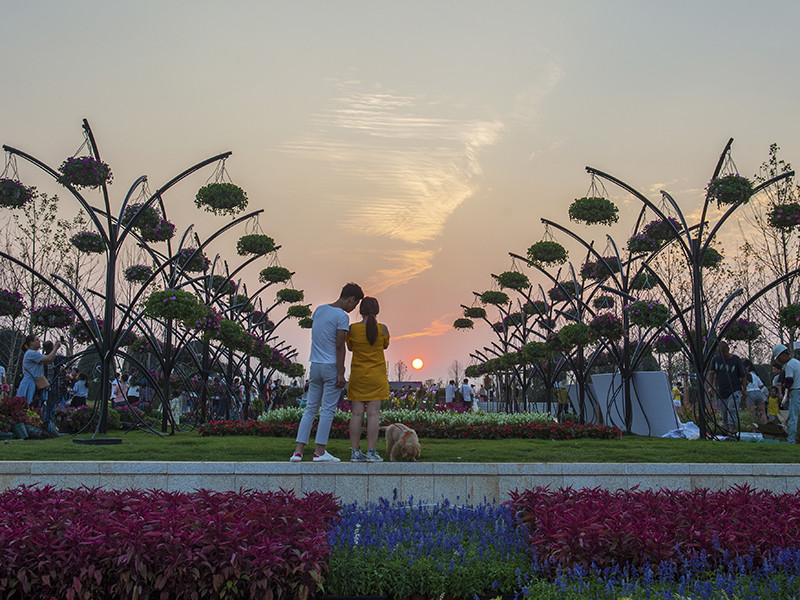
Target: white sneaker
327,457
296,457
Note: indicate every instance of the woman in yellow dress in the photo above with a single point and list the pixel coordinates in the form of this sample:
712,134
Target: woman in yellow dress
369,383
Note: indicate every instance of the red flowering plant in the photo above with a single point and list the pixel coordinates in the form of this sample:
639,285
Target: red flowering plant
742,329
13,409
52,316
13,194
84,171
11,303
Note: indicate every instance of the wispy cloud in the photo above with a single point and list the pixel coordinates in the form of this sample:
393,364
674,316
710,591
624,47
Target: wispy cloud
438,327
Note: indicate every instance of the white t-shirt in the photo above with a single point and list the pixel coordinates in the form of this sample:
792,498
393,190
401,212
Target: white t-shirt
327,321
466,392
756,384
2,373
449,393
792,369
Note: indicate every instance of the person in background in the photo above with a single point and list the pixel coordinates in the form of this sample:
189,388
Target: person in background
727,371
466,394
33,363
369,381
791,382
326,375
450,392
133,390
756,392
48,396
2,375
773,406
80,391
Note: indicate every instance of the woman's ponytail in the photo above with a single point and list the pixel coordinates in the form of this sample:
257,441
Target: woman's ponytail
369,309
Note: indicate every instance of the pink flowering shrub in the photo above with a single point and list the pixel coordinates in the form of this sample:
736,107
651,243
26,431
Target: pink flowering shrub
94,543
597,528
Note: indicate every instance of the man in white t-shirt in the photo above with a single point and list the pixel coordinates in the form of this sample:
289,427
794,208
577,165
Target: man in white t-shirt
326,375
450,392
466,392
3,375
791,382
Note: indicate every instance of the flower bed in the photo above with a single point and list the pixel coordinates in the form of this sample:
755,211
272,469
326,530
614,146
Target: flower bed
11,303
95,543
52,316
73,420
13,194
84,171
221,198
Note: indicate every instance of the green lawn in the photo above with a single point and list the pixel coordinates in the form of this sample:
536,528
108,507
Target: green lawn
191,447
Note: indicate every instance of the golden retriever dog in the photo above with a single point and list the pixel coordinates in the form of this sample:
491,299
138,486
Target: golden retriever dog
401,441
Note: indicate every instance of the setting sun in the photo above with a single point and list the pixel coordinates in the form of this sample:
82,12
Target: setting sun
417,363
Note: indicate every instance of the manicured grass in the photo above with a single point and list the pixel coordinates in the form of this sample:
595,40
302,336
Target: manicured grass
190,446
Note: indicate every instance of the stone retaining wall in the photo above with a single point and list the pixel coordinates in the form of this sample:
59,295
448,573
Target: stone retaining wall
428,482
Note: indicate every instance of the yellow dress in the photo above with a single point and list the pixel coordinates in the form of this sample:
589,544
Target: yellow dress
368,378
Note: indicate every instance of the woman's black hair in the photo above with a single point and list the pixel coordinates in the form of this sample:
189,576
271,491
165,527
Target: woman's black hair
28,339
370,309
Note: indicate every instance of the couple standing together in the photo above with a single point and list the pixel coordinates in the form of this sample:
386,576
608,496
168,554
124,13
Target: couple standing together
331,332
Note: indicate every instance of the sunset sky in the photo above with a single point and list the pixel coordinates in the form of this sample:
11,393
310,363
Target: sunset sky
407,146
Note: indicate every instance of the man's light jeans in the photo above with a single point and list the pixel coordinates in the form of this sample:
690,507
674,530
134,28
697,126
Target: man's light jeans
794,412
322,391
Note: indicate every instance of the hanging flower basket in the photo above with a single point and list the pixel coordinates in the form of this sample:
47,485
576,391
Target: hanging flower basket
52,316
547,323
143,345
260,319
90,242
606,326
241,303
222,285
594,211
784,216
603,302
547,252
575,334
789,316
208,322
83,334
475,371
743,329
730,189
255,244
647,313
173,304
534,353
712,259
666,344
138,273
192,261
13,194
298,311
11,303
230,333
499,327
274,275
641,243
662,230
305,323
599,269
513,320
289,295
564,292
84,171
463,324
475,312
221,198
161,232
496,298
513,280
643,281
536,307
141,216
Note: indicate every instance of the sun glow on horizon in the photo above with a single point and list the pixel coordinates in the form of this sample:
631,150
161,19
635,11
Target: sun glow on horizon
417,363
